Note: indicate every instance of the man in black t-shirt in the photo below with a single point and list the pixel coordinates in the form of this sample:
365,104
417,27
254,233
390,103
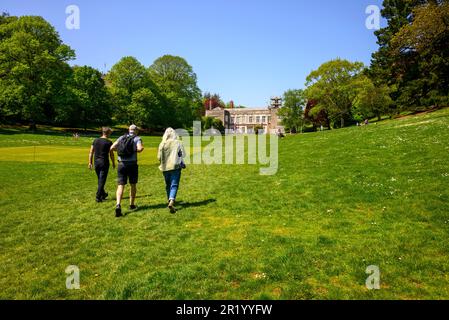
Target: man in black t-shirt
101,148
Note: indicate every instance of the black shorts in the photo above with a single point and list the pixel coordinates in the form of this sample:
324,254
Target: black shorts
127,171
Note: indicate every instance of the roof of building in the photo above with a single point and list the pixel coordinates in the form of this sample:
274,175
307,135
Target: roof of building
241,110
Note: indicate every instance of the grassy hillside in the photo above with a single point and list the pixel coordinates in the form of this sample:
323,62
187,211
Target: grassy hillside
341,201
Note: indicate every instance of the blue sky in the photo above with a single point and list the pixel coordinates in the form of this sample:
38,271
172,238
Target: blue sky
245,50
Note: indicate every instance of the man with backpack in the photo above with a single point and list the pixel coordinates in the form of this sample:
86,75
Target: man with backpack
127,147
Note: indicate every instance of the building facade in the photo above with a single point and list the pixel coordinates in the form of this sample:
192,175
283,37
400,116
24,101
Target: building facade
246,121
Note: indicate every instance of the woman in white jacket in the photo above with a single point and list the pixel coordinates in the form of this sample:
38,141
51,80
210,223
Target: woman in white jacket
170,155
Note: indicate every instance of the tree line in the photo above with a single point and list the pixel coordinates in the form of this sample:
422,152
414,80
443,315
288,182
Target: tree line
38,86
408,73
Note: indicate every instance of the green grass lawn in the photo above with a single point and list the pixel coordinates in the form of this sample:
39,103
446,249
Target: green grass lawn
342,200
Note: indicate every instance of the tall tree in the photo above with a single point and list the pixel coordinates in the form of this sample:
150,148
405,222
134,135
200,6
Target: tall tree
334,86
427,38
33,68
129,75
372,100
404,70
124,79
292,111
86,100
397,13
178,83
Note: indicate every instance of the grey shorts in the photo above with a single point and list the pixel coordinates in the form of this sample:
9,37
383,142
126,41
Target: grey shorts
127,171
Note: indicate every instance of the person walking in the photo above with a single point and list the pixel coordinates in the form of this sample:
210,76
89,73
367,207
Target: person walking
171,154
127,147
101,149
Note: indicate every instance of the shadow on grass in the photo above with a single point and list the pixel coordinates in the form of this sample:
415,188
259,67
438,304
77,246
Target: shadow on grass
180,206
185,205
13,131
90,132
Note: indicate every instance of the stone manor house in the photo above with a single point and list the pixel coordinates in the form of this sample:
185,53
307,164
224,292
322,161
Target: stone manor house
247,119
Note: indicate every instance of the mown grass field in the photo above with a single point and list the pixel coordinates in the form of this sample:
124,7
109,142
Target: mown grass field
341,201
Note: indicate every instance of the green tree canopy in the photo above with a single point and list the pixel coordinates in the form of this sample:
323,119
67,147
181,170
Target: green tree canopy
176,80
427,38
334,86
86,100
145,110
292,111
129,75
33,67
372,100
174,75
124,79
413,56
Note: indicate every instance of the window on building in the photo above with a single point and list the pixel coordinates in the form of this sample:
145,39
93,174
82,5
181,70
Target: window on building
258,119
250,119
264,119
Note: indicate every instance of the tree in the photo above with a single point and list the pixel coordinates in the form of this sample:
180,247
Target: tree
416,77
5,18
212,123
86,100
176,80
128,74
317,116
334,85
33,68
292,112
212,101
397,13
145,110
124,79
427,38
372,100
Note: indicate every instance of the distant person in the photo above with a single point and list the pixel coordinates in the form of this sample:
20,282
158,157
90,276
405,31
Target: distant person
171,156
280,134
366,122
101,148
127,147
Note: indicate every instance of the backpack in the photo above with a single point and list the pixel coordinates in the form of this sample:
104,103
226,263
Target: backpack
182,165
125,147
